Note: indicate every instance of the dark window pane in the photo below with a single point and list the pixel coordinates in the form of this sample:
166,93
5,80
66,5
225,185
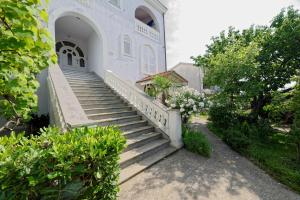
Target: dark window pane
70,44
80,52
59,45
82,64
70,59
74,54
65,51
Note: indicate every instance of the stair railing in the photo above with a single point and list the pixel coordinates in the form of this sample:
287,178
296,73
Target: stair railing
64,108
167,120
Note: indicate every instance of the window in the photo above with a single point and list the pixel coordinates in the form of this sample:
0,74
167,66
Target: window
116,3
149,60
127,45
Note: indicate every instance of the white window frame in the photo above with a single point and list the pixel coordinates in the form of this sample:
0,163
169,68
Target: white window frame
115,6
123,38
143,62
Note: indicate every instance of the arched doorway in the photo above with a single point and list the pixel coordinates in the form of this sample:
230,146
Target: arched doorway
70,55
78,44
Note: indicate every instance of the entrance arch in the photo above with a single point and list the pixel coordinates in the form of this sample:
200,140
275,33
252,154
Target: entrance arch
91,43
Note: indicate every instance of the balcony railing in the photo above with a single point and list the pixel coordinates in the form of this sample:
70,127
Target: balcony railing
146,30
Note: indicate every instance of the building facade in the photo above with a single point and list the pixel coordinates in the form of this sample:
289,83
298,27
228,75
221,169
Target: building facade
126,37
193,74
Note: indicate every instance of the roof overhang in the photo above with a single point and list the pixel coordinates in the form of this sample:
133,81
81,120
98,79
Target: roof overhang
158,5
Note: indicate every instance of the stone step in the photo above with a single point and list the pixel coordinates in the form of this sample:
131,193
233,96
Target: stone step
80,76
141,140
111,115
119,120
133,132
138,167
87,84
68,72
93,91
104,104
137,154
97,97
77,72
103,100
73,81
87,87
127,126
106,109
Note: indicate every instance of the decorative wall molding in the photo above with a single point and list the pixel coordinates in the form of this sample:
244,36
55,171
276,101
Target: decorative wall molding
157,5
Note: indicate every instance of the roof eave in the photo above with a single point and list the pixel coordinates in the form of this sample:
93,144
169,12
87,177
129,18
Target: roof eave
158,5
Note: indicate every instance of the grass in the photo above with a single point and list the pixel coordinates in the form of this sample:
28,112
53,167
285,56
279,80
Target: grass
277,157
196,142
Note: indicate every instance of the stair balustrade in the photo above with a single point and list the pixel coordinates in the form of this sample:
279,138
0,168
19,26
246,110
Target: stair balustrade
167,120
64,108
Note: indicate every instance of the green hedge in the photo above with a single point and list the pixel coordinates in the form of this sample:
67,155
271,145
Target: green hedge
196,142
80,164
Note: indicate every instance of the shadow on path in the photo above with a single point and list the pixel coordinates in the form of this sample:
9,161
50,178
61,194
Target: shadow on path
226,175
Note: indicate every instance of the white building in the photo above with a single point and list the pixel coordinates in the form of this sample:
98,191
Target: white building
124,36
103,48
193,74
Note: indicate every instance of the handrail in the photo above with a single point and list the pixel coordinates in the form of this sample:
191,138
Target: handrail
168,120
65,109
146,30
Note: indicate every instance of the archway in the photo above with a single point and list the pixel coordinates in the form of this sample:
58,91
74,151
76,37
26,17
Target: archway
78,45
145,15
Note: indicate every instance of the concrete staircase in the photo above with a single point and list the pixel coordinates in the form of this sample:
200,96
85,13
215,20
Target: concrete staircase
145,144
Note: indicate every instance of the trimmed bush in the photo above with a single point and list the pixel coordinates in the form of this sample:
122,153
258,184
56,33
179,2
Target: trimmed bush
80,164
236,139
196,142
222,116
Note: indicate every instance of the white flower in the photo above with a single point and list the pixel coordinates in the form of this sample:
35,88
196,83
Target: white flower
166,101
181,106
195,108
210,103
173,105
201,104
182,110
190,112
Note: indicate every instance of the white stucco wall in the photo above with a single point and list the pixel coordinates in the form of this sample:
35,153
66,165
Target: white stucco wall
194,75
109,24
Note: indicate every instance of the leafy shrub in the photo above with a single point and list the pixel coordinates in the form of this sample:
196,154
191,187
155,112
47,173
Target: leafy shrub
26,48
223,115
189,101
236,138
80,164
196,142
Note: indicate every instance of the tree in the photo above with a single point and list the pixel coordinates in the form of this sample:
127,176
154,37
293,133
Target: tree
26,48
162,86
249,65
295,133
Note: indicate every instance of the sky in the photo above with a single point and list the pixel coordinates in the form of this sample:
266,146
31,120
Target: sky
190,24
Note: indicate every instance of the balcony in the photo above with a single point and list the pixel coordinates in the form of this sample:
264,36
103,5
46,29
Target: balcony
146,30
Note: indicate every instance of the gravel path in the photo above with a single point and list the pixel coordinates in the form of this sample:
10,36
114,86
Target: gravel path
225,176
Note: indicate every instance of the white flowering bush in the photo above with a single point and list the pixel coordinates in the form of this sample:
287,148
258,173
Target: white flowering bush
188,101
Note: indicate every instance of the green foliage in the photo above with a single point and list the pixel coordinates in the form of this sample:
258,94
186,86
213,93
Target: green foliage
162,86
250,65
189,101
196,142
223,115
237,137
26,48
276,157
80,164
295,133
